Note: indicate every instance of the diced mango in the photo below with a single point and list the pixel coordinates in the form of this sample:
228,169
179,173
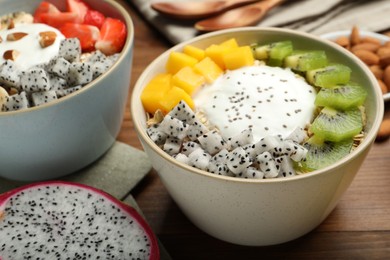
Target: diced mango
173,97
188,79
216,52
209,69
194,52
178,60
231,43
238,58
155,91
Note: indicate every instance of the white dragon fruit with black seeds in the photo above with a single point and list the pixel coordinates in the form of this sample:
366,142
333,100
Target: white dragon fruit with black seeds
60,220
156,134
238,160
34,79
9,74
79,73
221,156
199,159
40,98
174,127
180,157
285,166
70,49
219,169
57,83
64,92
196,130
267,165
242,139
183,112
299,135
59,67
172,145
15,102
252,173
189,146
212,142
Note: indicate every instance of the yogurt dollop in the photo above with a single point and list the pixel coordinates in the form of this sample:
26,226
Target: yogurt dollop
269,100
30,51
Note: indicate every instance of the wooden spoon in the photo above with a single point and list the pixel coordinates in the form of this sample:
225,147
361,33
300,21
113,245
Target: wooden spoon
192,10
242,16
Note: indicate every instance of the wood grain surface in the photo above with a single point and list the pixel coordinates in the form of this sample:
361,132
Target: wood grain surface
359,227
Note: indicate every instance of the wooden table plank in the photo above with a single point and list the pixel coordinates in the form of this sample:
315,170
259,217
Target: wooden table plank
359,227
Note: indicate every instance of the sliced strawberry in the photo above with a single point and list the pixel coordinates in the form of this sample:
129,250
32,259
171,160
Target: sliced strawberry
87,34
95,18
57,20
112,36
44,7
78,7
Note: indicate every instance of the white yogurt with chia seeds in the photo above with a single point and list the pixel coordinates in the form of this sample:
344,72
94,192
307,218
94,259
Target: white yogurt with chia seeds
270,100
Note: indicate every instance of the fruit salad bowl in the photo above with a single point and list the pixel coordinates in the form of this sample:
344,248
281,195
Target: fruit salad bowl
248,211
61,137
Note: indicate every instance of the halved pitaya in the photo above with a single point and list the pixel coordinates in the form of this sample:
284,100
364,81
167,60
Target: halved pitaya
63,220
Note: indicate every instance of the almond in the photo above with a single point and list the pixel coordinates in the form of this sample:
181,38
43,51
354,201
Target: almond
10,55
384,61
383,86
386,44
371,40
11,25
355,36
15,36
377,71
382,51
386,77
367,57
343,41
366,46
384,130
47,38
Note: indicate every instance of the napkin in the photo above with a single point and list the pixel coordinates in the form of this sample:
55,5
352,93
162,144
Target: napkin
116,172
312,16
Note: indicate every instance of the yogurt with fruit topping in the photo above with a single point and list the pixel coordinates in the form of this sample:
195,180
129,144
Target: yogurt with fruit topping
28,49
266,99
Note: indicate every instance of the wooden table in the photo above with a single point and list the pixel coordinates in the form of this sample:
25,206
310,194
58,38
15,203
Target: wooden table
359,227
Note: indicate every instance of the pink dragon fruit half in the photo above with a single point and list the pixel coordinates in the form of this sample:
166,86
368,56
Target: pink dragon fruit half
63,220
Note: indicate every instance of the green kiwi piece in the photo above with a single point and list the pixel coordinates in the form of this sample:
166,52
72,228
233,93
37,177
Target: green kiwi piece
341,97
337,125
322,153
273,53
306,60
329,76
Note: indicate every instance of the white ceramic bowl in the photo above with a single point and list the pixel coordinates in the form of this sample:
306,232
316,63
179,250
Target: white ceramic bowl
259,212
383,38
64,136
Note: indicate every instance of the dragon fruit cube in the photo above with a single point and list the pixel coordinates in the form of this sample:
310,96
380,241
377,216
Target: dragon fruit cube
9,74
156,134
172,145
189,146
243,138
212,142
183,112
57,83
40,98
196,130
59,67
182,158
199,159
267,165
15,102
70,49
252,173
174,127
285,166
238,160
80,73
218,168
64,92
34,80
221,157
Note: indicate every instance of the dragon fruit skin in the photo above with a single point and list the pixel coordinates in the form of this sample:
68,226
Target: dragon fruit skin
119,230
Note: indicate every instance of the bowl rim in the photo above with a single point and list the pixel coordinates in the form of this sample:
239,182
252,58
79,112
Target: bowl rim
368,140
126,48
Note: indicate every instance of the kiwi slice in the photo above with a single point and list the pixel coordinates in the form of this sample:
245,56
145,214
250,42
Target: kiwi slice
329,76
274,53
322,153
337,125
341,97
306,60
